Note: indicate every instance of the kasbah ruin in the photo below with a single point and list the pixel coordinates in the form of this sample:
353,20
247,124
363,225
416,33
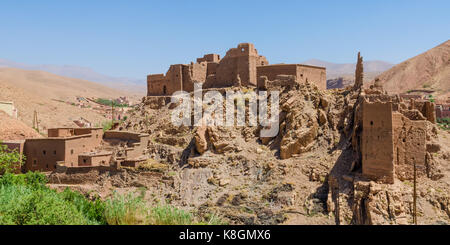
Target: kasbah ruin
355,155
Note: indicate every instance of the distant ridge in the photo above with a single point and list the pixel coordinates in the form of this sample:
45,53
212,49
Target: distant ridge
429,70
137,86
335,70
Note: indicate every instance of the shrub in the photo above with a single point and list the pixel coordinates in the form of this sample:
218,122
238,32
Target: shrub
21,205
92,210
126,210
107,125
9,159
25,199
169,215
33,180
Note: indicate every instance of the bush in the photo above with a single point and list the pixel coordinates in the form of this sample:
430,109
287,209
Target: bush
9,159
32,180
25,199
21,205
92,210
126,210
169,215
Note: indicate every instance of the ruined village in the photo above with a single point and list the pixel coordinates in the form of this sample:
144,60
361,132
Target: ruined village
350,155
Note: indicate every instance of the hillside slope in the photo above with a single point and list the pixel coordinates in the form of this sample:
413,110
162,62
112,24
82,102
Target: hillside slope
133,86
13,129
38,90
429,70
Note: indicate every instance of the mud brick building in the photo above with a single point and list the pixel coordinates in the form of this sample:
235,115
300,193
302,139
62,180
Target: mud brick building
394,135
63,146
241,65
75,149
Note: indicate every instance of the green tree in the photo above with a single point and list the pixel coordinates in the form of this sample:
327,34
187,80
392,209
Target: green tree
10,160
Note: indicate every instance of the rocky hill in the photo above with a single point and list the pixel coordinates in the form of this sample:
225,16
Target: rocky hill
429,70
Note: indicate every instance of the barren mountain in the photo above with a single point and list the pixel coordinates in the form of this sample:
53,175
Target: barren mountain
43,92
134,86
429,70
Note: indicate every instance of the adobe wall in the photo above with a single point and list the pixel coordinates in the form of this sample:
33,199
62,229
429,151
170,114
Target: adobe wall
312,74
59,132
76,146
303,73
240,61
122,135
209,58
195,72
377,147
427,109
96,159
409,146
43,154
160,84
272,71
96,134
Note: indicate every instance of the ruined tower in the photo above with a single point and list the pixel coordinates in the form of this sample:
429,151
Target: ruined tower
359,73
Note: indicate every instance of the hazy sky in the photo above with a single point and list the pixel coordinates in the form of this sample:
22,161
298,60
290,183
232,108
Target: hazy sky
134,38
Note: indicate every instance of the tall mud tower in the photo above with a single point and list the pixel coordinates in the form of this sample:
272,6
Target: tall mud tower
359,73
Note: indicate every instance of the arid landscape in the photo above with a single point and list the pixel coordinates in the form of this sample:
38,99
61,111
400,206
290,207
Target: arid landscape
316,170
225,121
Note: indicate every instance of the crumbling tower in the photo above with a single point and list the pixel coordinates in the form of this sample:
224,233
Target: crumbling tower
359,73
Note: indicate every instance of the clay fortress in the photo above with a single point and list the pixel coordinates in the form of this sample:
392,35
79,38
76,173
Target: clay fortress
241,65
390,134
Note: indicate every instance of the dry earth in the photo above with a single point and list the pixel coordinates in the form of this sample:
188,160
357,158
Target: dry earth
13,129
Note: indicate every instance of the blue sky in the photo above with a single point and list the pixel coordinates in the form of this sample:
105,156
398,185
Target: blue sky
134,38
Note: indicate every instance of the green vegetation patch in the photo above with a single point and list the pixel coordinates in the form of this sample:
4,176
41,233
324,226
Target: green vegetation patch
108,102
